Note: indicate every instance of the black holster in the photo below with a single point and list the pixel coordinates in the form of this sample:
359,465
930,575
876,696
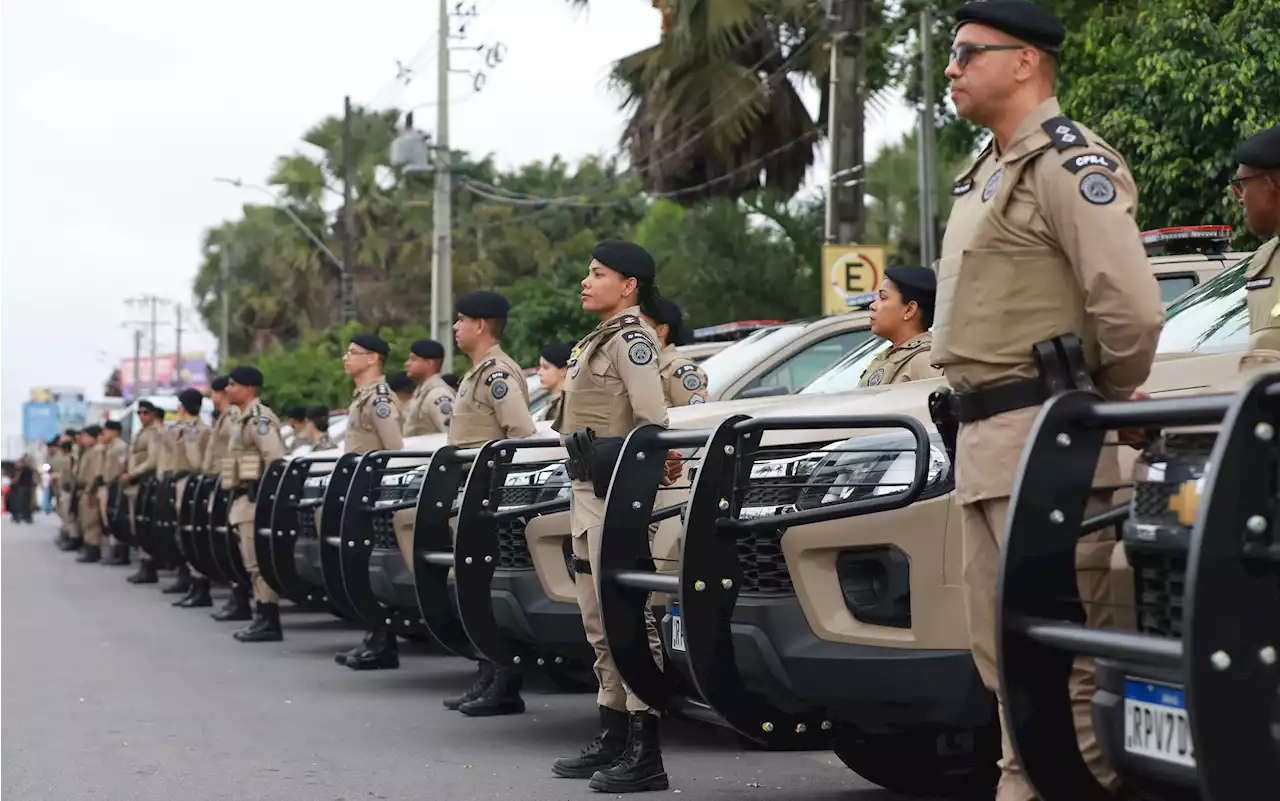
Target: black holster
592,458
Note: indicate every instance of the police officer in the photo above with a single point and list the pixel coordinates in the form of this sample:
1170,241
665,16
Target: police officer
237,606
613,386
492,403
188,440
115,457
903,313
431,405
1043,229
1257,187
553,367
318,428
374,425
62,468
255,443
683,381
402,387
298,422
146,452
88,483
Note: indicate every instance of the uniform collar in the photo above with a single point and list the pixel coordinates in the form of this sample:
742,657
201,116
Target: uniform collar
494,352
1029,134
914,341
434,381
365,389
667,354
633,311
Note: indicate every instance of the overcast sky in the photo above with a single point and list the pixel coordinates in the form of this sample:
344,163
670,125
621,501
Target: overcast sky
115,118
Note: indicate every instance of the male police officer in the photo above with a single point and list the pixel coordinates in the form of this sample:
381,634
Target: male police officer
1257,186
318,428
115,456
1042,227
902,313
298,422
432,401
187,441
374,425
255,443
147,449
62,485
88,482
236,607
683,381
492,403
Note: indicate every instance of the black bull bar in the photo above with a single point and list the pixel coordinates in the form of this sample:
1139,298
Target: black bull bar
710,576
286,534
1225,661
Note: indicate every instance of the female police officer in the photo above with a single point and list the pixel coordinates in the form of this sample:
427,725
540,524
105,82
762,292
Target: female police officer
902,313
613,386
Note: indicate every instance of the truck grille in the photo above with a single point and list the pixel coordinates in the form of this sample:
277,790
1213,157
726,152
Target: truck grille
384,532
769,492
1160,582
515,496
1151,503
307,523
764,569
513,549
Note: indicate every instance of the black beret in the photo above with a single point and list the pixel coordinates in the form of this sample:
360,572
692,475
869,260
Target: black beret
113,425
68,445
317,412
246,376
627,258
557,353
372,343
427,349
483,304
191,400
400,382
297,413
218,384
921,279
1023,20
147,406
1261,151
93,430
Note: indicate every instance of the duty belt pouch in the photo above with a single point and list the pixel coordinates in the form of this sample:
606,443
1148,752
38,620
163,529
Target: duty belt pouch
249,467
607,451
580,447
227,471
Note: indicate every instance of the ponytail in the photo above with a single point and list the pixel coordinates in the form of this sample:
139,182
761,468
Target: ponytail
648,297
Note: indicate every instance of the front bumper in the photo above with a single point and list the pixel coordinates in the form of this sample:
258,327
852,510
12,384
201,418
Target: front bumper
524,613
391,580
1109,725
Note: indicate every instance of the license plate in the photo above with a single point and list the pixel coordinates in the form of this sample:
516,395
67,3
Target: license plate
1156,724
677,629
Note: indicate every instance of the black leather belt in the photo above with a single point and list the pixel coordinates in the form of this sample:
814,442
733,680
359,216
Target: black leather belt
581,566
970,407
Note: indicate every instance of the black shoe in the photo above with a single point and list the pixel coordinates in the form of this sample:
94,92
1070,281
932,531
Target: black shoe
483,679
342,656
196,597
119,555
236,607
90,553
382,654
502,697
71,544
606,749
266,628
182,584
146,573
640,768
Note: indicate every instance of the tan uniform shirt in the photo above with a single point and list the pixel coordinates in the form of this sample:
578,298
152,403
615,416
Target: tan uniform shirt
188,446
683,382
89,467
430,408
147,449
300,438
1041,242
907,362
492,402
115,456
553,407
321,443
255,443
1264,297
60,465
220,440
375,419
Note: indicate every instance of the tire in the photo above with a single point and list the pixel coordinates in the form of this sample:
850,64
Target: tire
912,764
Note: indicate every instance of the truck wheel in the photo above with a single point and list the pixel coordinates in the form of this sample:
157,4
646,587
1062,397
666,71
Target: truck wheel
929,764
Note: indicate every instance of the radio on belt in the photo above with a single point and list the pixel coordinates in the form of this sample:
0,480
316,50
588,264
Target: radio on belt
1186,239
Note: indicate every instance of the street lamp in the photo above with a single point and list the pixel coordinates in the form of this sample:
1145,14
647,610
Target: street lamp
280,204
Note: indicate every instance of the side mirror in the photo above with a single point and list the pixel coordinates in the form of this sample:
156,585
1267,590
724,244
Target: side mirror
764,392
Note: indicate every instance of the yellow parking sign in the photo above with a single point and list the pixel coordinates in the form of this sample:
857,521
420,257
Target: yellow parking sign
850,276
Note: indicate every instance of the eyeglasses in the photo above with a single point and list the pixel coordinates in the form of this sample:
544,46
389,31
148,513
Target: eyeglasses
354,352
1237,184
961,53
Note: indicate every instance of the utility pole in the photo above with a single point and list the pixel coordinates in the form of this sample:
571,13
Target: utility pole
225,274
346,293
926,148
442,252
846,117
153,304
175,380
137,363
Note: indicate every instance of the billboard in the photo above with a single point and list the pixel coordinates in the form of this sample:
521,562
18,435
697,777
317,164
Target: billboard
172,374
40,421
850,276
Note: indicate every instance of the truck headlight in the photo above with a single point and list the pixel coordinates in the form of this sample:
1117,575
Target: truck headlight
873,466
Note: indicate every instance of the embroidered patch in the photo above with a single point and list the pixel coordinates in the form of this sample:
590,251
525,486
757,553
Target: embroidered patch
1097,189
628,319
1064,133
264,428
962,189
696,399
876,379
381,399
990,189
499,390
446,407
691,382
628,336
383,410
462,390
640,353
494,376
1258,283
1078,163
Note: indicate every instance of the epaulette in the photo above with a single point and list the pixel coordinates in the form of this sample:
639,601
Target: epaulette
486,365
255,410
629,319
494,376
1063,133
382,389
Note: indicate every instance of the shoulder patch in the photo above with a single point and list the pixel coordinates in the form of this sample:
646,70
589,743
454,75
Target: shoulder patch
1075,165
962,188
498,390
691,382
640,353
264,426
1064,133
685,368
993,183
446,407
628,336
1097,189
382,399
494,376
876,379
382,410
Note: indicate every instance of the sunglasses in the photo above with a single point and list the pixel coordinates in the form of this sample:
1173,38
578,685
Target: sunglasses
1237,184
961,53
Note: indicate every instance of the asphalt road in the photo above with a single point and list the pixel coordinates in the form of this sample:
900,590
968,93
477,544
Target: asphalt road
109,693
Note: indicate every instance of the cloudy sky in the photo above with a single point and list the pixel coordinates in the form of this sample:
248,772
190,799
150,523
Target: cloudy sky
115,118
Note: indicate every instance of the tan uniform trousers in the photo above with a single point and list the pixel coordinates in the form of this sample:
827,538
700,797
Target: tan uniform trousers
983,524
402,521
241,519
65,512
613,693
90,521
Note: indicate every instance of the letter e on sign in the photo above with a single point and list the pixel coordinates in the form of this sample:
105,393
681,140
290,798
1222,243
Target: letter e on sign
851,274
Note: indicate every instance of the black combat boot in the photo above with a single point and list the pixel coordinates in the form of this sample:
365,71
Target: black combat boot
382,652
640,768
265,627
146,573
90,553
342,656
196,597
501,697
119,555
483,679
181,584
606,749
236,607
71,544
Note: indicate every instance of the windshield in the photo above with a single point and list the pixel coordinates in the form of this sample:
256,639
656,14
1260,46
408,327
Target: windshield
728,365
846,373
1212,318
